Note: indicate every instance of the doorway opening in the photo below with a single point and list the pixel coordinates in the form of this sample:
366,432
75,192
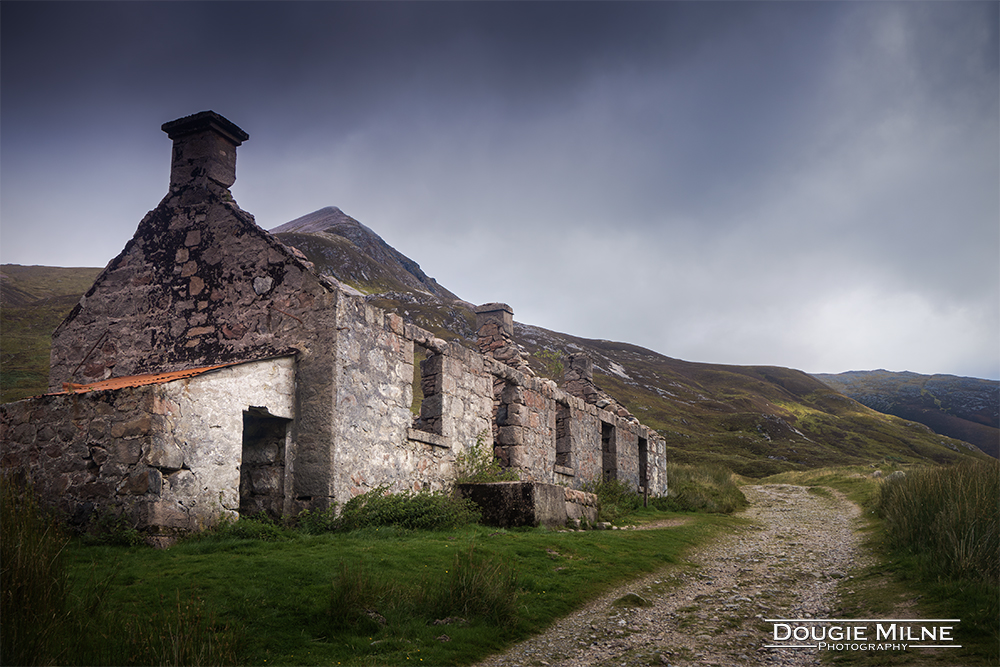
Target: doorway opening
609,452
262,467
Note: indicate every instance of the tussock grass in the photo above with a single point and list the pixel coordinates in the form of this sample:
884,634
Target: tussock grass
478,586
948,517
615,499
704,488
33,585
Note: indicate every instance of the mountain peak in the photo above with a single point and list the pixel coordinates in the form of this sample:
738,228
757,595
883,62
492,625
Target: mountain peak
319,221
320,235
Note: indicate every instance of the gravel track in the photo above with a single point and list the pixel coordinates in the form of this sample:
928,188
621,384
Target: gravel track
787,564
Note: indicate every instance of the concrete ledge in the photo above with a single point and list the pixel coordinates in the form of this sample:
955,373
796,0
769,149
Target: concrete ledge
427,438
508,504
565,470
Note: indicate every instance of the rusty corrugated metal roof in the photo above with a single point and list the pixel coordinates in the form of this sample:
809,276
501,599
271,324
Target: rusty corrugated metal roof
139,380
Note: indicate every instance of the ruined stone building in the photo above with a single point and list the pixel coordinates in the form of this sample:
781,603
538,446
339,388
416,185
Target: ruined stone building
210,370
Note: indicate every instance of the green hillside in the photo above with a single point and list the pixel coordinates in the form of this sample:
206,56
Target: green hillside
960,407
33,301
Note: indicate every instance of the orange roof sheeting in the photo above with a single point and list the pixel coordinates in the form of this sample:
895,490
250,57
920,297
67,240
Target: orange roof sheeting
139,380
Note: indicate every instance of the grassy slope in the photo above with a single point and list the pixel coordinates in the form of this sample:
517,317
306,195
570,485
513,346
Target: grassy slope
33,301
960,407
755,420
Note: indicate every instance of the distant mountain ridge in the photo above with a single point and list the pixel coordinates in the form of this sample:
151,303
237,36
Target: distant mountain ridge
755,420
960,407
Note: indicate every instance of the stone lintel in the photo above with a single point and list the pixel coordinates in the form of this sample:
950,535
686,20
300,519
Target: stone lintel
427,438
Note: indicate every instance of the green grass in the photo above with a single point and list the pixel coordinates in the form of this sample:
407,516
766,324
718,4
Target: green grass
54,614
710,488
254,592
616,500
285,596
855,482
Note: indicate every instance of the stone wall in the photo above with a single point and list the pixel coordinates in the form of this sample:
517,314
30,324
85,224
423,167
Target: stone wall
509,504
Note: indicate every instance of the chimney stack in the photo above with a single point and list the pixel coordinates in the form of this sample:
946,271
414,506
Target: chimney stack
204,150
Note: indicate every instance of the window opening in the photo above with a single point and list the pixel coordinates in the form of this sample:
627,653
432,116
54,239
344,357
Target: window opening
428,404
564,444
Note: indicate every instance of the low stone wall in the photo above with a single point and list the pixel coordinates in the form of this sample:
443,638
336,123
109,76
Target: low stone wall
509,504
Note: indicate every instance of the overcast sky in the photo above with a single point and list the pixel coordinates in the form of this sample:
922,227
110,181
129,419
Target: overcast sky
805,184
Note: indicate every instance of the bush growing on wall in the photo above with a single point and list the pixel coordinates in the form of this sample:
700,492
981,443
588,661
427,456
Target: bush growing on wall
478,465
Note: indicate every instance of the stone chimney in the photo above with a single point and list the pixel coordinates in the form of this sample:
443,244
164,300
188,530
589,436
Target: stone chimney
494,321
204,150
495,332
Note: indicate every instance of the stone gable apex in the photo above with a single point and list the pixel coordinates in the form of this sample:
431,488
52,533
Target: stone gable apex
199,283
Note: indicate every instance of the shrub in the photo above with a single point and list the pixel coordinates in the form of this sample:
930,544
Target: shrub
551,362
478,465
946,516
257,527
112,530
615,499
316,522
424,510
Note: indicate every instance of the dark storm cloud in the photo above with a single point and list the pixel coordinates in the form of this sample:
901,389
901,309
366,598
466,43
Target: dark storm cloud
803,184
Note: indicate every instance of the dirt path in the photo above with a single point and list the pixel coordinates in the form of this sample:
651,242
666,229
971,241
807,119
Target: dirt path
787,565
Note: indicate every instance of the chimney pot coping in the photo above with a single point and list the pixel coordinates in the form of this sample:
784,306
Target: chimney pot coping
493,307
205,120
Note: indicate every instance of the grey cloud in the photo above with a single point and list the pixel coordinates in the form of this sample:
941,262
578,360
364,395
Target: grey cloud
735,182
